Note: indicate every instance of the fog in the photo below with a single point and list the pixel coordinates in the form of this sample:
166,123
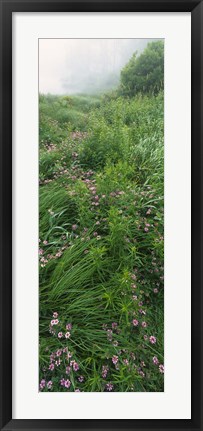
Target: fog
68,66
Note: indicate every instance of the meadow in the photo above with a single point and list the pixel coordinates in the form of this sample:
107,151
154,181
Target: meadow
101,246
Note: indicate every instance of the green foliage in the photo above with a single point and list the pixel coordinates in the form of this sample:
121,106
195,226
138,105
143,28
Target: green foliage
101,248
144,73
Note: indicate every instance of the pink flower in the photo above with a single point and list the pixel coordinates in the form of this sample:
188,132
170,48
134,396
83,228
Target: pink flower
60,334
125,361
161,368
155,360
105,370
109,387
75,366
81,379
49,384
67,383
95,234
133,276
77,390
42,384
115,359
67,335
152,339
51,367
69,326
74,226
135,322
114,325
69,355
156,290
68,370
62,382
54,322
58,352
144,324
134,297
55,314
146,229
145,337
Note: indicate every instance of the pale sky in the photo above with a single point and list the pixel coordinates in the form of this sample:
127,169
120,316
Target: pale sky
68,66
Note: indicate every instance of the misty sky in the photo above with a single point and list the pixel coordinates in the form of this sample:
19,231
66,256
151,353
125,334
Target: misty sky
68,66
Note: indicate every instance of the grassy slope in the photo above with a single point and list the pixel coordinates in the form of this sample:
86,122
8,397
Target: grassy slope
101,242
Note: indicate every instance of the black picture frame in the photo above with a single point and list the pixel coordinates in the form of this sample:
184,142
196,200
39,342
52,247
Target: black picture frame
7,7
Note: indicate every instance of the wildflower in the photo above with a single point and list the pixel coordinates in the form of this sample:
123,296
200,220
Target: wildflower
62,382
146,229
145,337
55,314
51,367
161,368
74,226
54,322
41,251
60,334
105,370
67,383
77,390
42,384
81,379
115,343
98,237
75,366
152,339
115,359
156,290
134,297
109,387
155,360
69,355
68,370
125,361
95,234
143,364
57,363
114,325
144,324
69,326
135,322
141,373
59,352
133,276
67,335
45,242
49,384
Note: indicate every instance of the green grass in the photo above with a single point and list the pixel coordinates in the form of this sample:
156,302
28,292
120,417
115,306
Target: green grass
101,242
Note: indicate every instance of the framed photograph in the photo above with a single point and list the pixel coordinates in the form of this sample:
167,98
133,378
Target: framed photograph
101,231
